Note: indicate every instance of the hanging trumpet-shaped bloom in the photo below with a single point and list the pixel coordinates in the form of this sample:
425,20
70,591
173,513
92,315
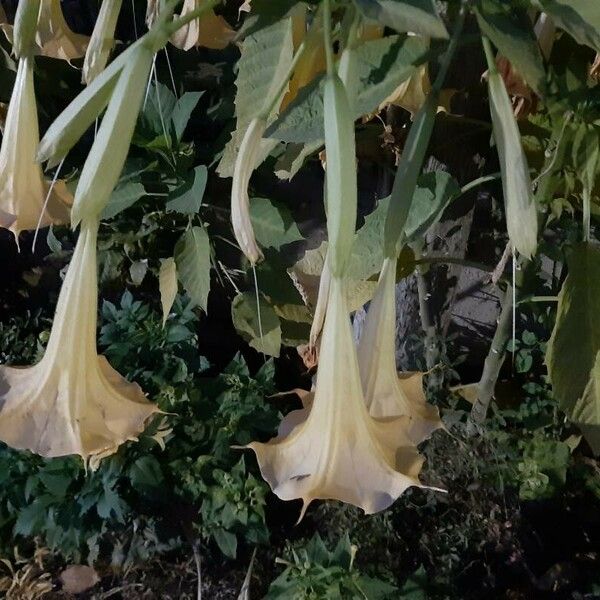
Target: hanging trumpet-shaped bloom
240,202
339,451
72,401
102,40
333,448
210,31
54,37
387,394
23,188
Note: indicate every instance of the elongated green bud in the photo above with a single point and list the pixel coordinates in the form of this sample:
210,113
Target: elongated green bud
407,175
25,25
521,214
105,161
102,40
341,183
73,122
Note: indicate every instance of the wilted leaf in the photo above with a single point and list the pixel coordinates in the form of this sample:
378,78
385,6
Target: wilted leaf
78,578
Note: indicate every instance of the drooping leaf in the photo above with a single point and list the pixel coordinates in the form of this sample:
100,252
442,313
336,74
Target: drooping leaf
187,198
580,18
511,32
262,331
167,283
573,350
192,255
380,66
273,223
417,16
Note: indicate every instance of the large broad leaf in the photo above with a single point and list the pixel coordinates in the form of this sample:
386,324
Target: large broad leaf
264,62
416,16
573,350
273,223
167,284
187,198
511,32
262,330
192,255
381,65
123,196
434,192
581,18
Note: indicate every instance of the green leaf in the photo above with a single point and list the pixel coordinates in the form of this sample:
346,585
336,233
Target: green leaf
187,198
192,255
123,196
245,315
572,352
381,65
146,472
434,192
417,16
226,541
167,284
182,111
580,18
273,223
510,30
265,59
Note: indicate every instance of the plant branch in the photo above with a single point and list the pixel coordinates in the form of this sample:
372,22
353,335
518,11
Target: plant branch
494,360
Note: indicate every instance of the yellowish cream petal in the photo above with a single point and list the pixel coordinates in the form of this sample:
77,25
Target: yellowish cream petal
72,401
54,37
386,393
339,452
23,188
210,31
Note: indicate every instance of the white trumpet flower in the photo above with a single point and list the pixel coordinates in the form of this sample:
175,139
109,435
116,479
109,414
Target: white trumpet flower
23,189
388,394
210,31
102,40
54,37
339,451
72,401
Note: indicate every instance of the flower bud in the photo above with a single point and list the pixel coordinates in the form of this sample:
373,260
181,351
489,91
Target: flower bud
106,159
240,203
26,19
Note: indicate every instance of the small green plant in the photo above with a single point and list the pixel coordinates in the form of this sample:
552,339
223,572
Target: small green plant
313,573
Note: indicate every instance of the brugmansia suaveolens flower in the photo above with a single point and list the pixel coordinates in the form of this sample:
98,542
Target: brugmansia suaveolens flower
387,394
102,40
210,31
334,449
340,452
240,202
72,401
23,188
54,37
